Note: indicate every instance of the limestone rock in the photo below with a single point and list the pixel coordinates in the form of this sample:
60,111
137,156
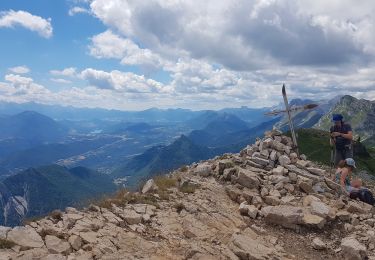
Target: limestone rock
26,237
320,208
89,237
309,199
248,179
352,249
246,247
279,170
359,207
131,217
284,160
57,246
316,171
203,170
286,216
302,164
318,244
313,221
4,231
75,242
272,200
150,186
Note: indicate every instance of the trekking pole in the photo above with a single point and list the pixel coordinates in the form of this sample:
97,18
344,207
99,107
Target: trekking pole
332,158
294,138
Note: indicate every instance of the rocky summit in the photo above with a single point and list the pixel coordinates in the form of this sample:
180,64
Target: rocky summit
263,203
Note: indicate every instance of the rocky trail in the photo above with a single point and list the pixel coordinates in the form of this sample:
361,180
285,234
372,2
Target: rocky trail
263,203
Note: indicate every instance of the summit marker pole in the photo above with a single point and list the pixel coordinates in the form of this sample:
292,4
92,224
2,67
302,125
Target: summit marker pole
294,138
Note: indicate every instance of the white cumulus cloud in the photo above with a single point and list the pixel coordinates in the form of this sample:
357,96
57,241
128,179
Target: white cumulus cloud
67,72
24,19
20,70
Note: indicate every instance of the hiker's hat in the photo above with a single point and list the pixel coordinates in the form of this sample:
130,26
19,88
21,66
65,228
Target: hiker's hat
350,162
337,117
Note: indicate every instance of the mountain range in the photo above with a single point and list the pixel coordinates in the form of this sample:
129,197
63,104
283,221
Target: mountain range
135,145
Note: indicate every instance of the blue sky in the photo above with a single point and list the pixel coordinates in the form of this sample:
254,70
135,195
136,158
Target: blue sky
174,53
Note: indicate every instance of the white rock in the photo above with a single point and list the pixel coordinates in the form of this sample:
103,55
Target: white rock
284,160
287,216
318,244
89,237
131,217
26,237
4,231
248,179
316,171
320,208
57,246
203,170
150,186
279,170
313,221
352,249
75,242
252,211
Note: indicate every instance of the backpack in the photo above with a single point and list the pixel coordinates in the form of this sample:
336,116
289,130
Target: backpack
363,195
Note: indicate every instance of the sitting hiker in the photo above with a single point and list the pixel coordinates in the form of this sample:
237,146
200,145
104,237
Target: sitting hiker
343,174
353,189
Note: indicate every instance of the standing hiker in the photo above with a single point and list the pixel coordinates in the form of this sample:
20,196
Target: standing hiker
341,138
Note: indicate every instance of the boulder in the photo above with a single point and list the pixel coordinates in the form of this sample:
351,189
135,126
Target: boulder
26,237
352,249
343,215
89,237
246,247
248,179
306,187
75,242
302,164
303,173
313,221
203,170
273,155
284,160
359,207
279,170
286,216
252,211
131,217
244,208
57,246
260,161
319,208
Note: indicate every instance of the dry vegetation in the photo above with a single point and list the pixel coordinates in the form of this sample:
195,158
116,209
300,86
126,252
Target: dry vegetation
6,244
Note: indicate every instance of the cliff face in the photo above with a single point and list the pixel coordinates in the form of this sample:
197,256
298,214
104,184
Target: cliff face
263,203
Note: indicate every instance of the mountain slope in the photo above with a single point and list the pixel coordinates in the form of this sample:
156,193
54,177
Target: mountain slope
36,191
31,126
160,159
